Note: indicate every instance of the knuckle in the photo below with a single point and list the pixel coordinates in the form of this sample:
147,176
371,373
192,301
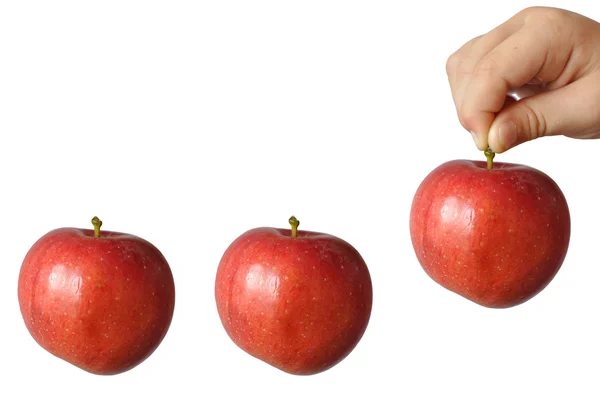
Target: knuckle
552,19
540,11
486,67
461,61
452,63
554,14
535,122
528,12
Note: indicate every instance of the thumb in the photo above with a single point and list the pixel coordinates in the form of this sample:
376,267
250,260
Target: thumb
571,110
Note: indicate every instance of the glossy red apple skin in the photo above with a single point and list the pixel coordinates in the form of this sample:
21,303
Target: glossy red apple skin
102,304
496,237
299,304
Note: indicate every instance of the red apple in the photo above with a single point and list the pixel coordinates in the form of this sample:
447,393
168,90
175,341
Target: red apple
298,300
495,234
102,301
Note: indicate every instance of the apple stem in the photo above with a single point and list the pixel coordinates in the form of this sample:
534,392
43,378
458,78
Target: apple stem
97,224
294,223
489,154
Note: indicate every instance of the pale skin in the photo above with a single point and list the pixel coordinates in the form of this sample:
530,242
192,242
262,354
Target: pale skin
552,53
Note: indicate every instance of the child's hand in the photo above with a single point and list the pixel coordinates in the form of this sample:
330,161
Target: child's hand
554,51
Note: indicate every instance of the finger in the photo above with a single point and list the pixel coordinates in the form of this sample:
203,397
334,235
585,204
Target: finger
461,64
572,111
459,61
521,58
481,140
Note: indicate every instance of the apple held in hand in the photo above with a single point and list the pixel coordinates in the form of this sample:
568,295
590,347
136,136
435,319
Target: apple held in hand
495,233
102,301
298,300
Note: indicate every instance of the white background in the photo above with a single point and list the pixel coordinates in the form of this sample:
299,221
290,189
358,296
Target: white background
188,123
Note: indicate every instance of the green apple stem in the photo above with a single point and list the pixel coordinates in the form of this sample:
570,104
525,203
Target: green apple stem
97,224
294,223
489,154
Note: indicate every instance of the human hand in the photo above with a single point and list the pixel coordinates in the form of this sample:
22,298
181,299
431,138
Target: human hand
553,53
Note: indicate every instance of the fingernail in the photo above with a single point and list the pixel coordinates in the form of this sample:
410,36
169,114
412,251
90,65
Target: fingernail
507,134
